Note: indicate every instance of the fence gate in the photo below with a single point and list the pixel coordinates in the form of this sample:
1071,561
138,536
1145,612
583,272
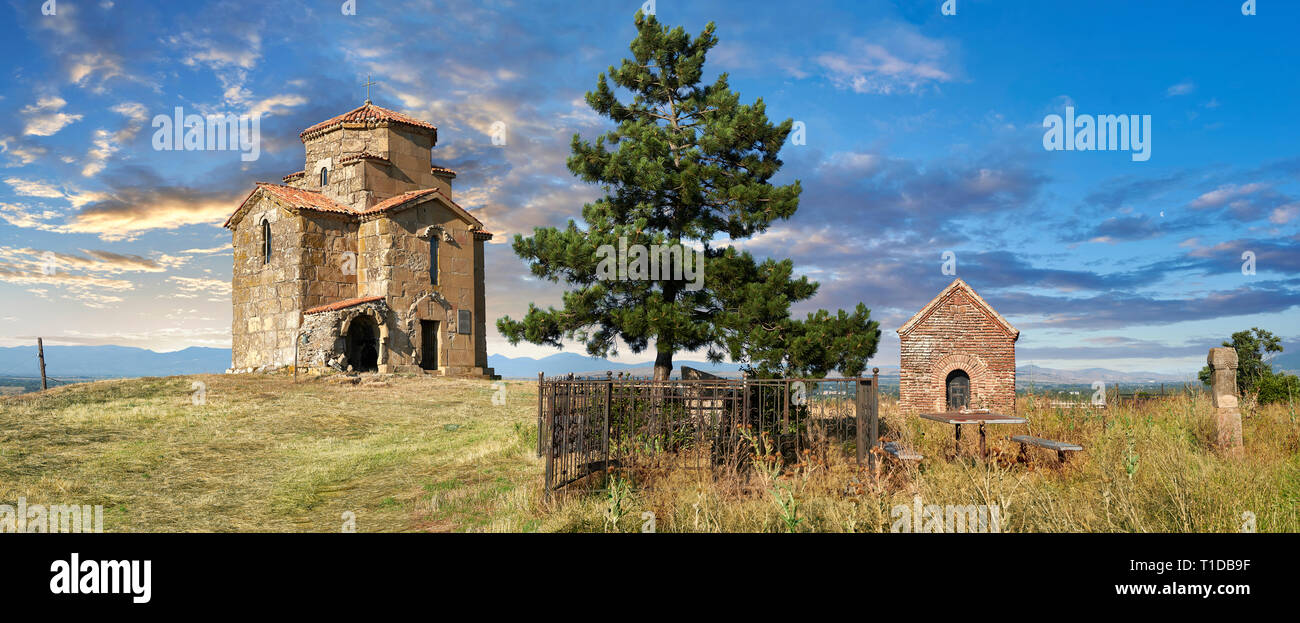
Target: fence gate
589,425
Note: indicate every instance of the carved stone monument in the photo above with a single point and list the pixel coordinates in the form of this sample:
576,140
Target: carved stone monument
1223,390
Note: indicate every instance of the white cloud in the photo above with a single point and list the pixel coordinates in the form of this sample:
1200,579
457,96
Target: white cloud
44,117
105,143
31,188
897,61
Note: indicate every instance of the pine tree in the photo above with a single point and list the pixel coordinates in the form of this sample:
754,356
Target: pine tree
686,164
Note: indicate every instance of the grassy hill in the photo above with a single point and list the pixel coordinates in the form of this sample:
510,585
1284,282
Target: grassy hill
424,454
263,454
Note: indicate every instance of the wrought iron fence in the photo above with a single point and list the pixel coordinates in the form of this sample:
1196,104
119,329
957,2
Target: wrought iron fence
587,426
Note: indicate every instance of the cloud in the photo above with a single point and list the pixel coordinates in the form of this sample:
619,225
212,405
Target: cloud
276,103
31,188
20,153
125,213
1224,194
1128,309
93,261
193,287
1182,88
129,211
44,117
106,143
900,60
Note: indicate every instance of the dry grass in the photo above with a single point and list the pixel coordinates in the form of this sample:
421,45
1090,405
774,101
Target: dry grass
264,454
422,454
1144,469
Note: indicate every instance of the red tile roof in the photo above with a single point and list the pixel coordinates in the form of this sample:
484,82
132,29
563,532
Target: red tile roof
293,198
335,306
368,114
443,171
305,199
361,156
293,176
393,202
308,200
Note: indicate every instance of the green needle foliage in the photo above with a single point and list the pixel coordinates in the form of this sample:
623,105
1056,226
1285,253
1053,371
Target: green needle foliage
686,163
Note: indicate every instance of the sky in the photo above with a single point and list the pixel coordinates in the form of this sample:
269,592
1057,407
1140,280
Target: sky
924,136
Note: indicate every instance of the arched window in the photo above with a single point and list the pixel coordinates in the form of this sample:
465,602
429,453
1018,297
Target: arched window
433,259
266,241
324,177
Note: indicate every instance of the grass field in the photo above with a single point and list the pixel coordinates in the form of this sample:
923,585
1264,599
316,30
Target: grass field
423,454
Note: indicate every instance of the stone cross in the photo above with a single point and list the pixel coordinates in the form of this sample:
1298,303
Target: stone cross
1223,389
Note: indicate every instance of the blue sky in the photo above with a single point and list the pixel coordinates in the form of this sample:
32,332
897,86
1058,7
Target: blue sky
924,135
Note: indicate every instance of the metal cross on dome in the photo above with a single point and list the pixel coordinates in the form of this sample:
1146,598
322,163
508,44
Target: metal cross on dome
367,84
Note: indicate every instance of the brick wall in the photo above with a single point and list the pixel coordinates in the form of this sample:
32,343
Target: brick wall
958,333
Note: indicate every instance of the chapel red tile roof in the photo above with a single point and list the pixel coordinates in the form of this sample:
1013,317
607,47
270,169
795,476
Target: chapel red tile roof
304,199
361,156
308,200
443,171
344,304
293,176
368,114
292,198
397,200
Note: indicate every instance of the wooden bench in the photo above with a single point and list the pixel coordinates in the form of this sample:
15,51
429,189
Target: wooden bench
899,452
1060,447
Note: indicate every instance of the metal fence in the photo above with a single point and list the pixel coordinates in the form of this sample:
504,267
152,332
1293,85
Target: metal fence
588,426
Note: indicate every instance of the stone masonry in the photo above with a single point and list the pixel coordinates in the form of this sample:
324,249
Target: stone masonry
1223,391
364,250
957,332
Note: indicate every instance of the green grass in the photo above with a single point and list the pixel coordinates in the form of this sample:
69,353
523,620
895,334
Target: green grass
426,454
264,454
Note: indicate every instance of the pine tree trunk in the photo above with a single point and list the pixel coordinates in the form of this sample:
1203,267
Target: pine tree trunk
663,366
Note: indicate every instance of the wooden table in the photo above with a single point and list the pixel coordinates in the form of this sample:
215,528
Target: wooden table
957,418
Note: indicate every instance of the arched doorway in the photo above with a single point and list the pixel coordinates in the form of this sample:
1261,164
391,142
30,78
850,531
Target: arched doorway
363,344
957,389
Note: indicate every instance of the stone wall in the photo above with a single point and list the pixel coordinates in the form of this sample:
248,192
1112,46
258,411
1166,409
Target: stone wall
329,258
394,262
323,335
265,297
321,258
958,334
361,183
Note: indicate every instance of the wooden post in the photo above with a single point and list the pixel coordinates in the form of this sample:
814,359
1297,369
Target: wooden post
604,442
540,400
875,417
40,353
860,405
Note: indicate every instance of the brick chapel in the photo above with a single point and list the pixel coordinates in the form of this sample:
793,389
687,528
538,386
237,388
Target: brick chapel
957,352
361,261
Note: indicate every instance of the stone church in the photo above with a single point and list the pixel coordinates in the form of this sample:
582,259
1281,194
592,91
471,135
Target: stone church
362,260
957,352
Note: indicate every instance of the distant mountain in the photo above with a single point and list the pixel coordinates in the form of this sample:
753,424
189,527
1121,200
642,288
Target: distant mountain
1050,376
126,361
111,361
564,363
